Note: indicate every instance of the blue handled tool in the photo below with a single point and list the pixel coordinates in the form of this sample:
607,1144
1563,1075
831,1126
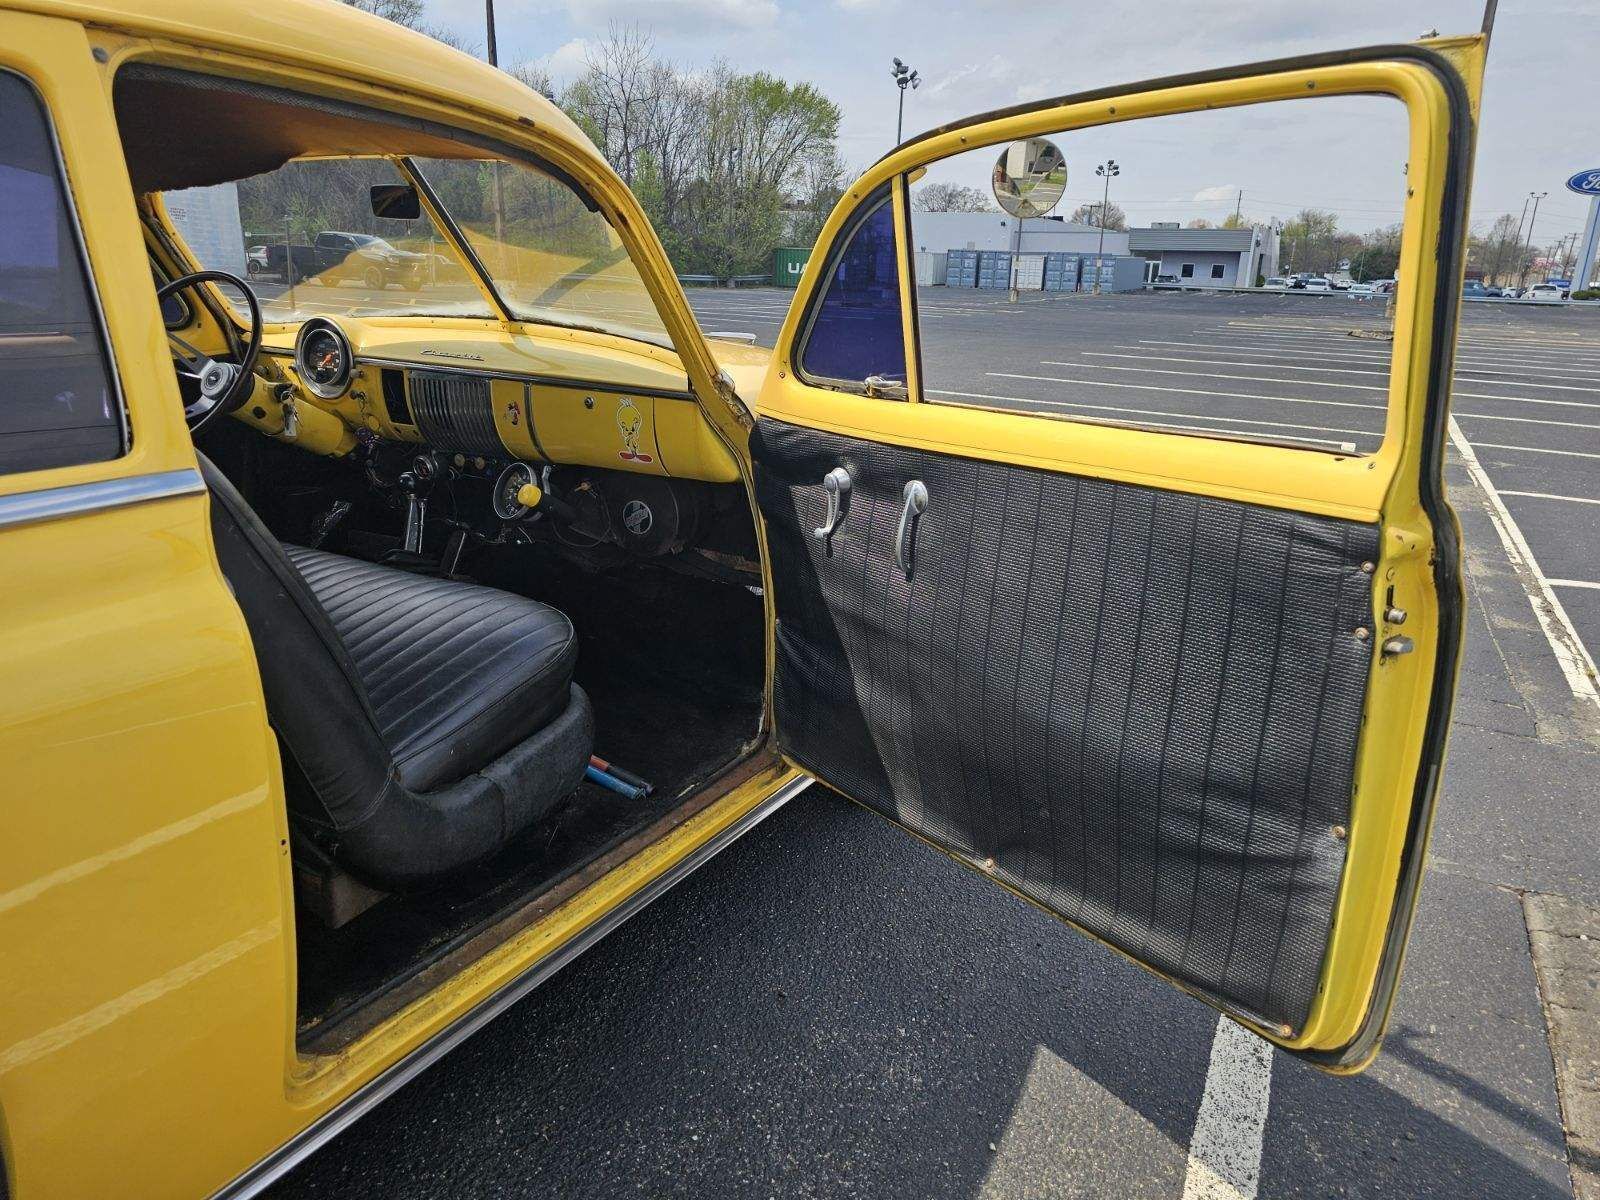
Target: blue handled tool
596,775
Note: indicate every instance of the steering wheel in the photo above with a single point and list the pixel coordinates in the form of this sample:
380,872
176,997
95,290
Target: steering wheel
213,386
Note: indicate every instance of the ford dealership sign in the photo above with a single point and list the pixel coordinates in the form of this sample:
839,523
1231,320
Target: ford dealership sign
1586,183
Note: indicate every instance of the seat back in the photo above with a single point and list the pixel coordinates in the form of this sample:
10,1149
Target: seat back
315,699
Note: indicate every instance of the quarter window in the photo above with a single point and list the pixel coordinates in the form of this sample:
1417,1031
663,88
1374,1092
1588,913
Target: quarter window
856,333
57,404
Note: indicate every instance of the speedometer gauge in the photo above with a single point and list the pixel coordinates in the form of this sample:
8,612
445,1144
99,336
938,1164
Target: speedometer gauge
512,480
323,358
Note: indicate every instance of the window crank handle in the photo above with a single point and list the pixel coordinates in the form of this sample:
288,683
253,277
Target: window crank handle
837,484
916,498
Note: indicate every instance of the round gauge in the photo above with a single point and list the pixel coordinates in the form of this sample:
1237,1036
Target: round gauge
512,480
323,358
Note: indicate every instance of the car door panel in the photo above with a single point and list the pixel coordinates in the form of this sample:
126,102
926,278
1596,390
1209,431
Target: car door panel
1095,692
1153,681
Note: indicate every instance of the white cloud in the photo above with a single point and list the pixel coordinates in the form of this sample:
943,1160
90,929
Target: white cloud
567,61
1223,191
674,16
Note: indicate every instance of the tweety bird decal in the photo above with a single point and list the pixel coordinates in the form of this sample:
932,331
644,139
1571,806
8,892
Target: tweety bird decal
630,420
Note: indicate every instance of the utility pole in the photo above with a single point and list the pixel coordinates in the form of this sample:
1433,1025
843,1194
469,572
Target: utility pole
1238,206
904,77
493,52
1535,197
1106,170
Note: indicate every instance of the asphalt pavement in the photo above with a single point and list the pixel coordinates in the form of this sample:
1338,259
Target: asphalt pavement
831,1008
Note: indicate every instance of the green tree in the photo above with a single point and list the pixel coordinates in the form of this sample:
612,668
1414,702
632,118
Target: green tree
1309,240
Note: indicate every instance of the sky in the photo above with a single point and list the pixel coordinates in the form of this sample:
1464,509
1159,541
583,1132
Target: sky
1541,118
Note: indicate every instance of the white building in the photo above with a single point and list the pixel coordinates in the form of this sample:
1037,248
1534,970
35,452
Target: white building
937,232
1209,258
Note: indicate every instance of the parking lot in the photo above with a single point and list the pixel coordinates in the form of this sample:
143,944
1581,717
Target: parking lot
832,1009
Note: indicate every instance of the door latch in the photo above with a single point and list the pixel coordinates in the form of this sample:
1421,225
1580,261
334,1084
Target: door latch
916,503
837,484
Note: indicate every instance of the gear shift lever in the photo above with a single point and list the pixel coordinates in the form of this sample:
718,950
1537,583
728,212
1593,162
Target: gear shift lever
415,484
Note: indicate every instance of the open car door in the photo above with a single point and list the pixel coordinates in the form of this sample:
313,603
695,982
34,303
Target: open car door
1185,690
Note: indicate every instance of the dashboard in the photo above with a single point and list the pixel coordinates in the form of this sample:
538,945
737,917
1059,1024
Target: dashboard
487,395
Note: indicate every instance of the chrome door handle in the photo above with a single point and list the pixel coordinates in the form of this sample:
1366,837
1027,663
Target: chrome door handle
837,484
916,496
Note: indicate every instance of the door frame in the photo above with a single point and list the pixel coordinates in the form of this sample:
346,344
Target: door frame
1437,84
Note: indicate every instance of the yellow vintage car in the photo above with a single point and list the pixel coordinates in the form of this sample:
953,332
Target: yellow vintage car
376,637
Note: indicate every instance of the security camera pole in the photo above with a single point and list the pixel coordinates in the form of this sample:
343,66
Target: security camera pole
905,77
1106,170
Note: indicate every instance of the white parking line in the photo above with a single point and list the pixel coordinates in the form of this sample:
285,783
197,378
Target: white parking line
1573,657
1306,400
1577,583
1230,1128
1158,412
1535,449
1182,391
1511,352
1276,365
1550,496
1362,387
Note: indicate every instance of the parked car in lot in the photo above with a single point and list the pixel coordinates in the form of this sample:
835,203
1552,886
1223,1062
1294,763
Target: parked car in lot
1362,291
1318,283
1473,289
1278,281
1544,292
342,256
293,806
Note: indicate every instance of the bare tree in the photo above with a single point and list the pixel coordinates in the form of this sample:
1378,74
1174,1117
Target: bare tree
950,197
1089,214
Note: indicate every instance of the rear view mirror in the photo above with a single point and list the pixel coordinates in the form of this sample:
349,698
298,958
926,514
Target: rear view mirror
395,202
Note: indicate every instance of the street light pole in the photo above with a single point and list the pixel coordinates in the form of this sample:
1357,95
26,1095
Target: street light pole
1106,171
904,77
1522,273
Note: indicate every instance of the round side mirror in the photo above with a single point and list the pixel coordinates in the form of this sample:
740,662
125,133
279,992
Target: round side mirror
1030,177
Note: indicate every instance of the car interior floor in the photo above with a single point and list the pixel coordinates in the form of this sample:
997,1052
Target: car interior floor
673,665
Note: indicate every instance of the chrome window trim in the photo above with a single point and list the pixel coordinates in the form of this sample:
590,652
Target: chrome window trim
334,1122
113,375
50,504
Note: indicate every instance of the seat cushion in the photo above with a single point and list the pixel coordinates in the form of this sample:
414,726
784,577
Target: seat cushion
456,673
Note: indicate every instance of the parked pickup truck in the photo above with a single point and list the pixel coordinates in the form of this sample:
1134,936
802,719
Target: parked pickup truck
336,257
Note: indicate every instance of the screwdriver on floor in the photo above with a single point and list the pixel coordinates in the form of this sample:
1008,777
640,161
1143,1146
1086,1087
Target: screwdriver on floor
609,776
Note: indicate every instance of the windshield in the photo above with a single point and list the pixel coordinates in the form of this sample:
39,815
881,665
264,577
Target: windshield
550,257
307,237
316,249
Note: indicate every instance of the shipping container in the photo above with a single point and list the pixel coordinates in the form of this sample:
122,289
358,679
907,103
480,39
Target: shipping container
1060,272
788,264
961,268
994,270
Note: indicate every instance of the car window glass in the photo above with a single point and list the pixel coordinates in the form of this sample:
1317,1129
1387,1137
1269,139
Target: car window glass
1143,297
307,239
856,332
58,406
